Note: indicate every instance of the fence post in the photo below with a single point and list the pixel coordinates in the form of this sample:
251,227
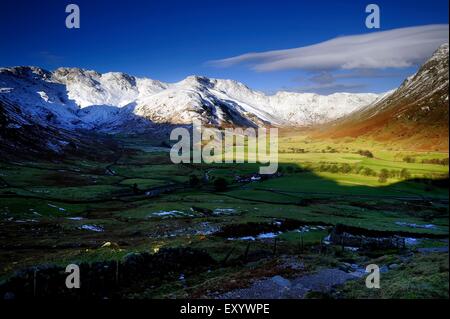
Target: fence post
246,251
34,282
301,237
228,255
117,272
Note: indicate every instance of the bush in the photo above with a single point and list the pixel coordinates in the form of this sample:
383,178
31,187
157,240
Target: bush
365,153
394,173
383,176
436,161
194,180
334,169
405,174
409,159
368,172
346,168
220,184
297,150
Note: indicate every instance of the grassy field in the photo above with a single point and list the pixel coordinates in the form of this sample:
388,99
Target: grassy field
60,212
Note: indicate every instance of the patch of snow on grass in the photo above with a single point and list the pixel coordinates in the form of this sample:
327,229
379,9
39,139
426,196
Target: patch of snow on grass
92,228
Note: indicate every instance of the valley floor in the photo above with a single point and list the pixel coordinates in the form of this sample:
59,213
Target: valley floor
183,236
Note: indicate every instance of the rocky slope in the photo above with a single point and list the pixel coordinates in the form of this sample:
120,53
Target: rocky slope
417,111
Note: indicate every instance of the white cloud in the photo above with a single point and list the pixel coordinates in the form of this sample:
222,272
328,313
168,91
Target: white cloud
330,88
397,48
325,77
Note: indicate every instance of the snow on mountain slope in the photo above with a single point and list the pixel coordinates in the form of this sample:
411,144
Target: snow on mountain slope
297,108
195,97
75,98
117,89
33,91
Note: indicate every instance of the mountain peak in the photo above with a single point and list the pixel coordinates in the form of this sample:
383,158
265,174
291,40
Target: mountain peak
440,54
26,72
195,80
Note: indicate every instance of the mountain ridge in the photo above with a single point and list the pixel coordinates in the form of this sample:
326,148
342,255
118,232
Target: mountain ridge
77,98
35,102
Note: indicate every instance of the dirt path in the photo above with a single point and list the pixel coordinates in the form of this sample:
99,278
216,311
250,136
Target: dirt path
278,287
322,281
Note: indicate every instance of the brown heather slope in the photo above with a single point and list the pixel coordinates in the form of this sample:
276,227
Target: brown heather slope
416,114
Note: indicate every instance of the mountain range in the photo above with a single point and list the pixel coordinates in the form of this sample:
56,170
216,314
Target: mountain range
56,106
73,98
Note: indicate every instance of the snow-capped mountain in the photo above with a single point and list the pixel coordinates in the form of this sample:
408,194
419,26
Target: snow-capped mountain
73,98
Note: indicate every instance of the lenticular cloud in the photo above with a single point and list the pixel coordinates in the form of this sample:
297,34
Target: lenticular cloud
397,48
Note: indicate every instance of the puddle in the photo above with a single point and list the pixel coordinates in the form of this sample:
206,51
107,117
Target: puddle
59,208
248,179
271,235
26,221
224,211
31,210
306,229
40,191
254,231
261,231
411,225
75,218
268,235
260,236
92,228
204,229
411,241
171,213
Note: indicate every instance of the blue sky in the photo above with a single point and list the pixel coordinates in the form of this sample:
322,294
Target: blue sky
169,40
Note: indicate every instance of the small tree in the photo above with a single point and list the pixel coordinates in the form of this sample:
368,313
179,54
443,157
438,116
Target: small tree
384,175
346,168
393,173
334,169
367,171
409,159
135,188
405,174
365,153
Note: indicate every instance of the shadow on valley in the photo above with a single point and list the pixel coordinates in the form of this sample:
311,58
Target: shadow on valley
276,215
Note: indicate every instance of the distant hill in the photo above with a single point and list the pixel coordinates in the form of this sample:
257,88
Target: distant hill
416,113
